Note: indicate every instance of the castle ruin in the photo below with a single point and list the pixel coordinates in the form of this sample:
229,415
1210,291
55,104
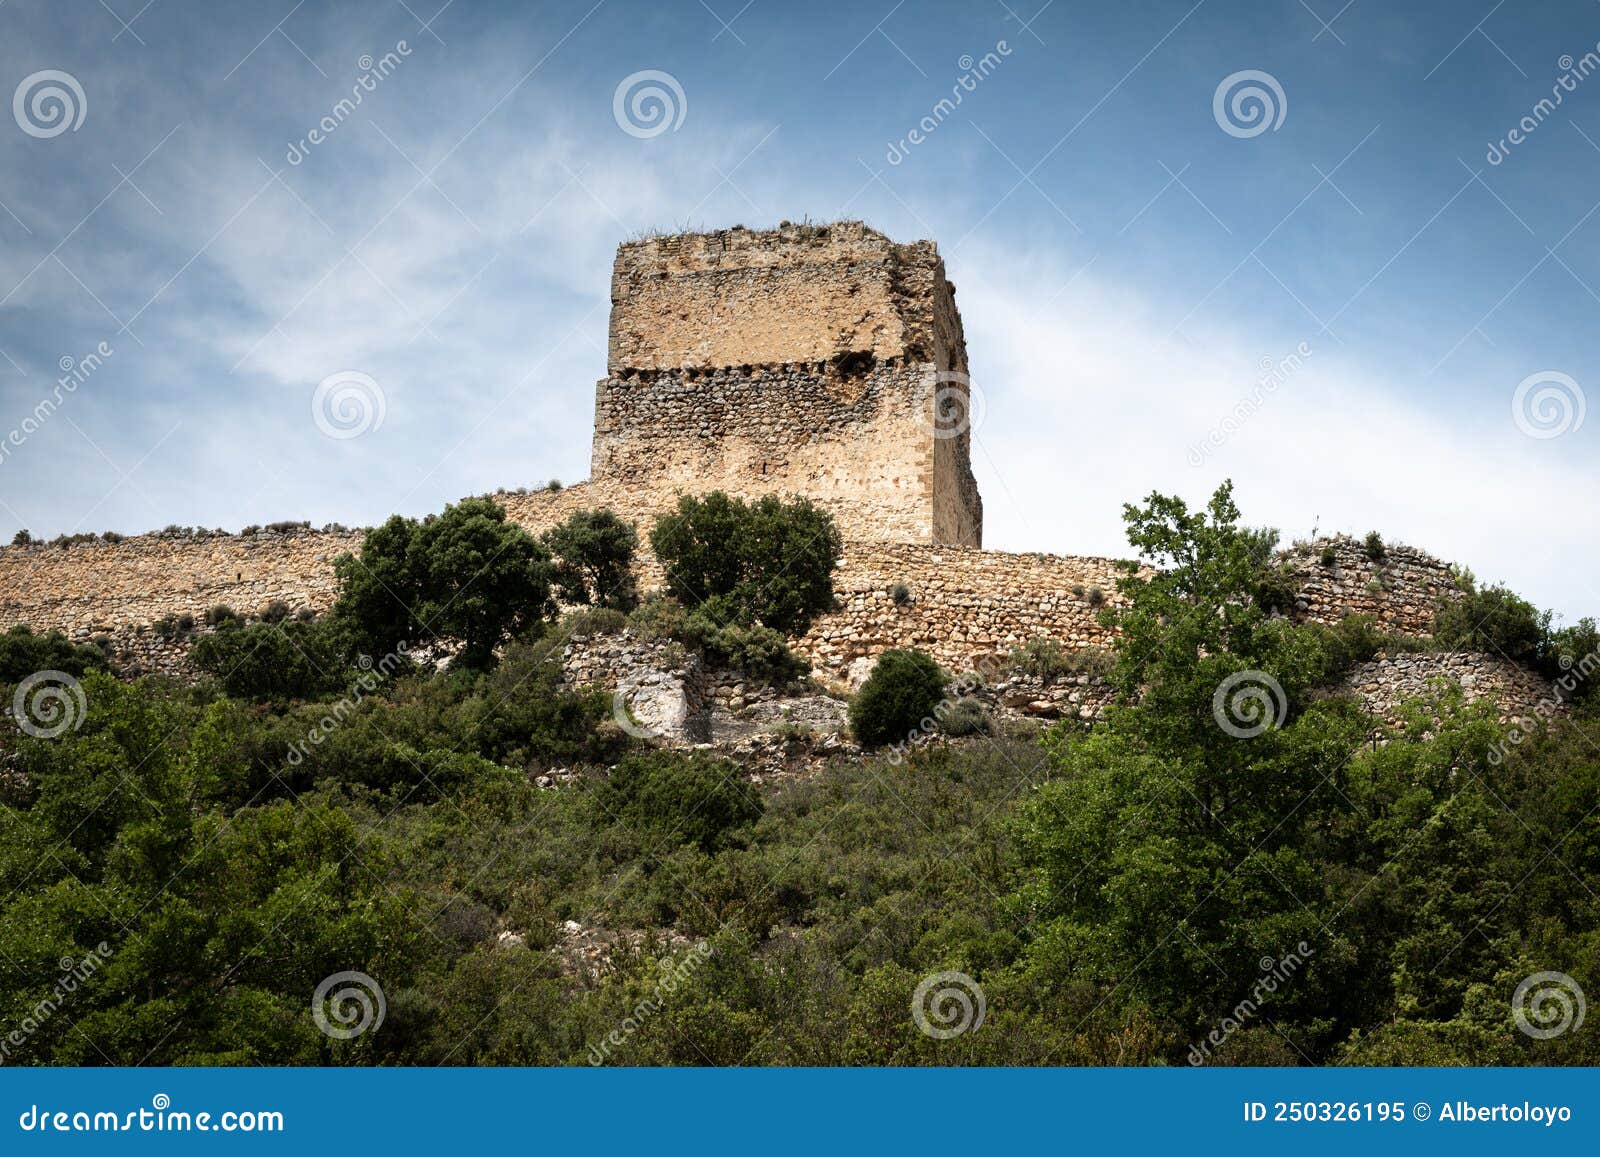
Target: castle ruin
823,361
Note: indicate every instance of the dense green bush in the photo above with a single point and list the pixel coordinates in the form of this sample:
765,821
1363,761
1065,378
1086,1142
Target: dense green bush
276,661
593,553
963,717
677,798
769,562
467,575
1047,660
904,688
1496,620
760,652
22,653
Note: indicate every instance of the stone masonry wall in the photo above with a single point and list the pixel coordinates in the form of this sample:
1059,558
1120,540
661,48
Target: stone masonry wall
963,606
1385,681
807,360
858,443
798,293
100,587
1401,590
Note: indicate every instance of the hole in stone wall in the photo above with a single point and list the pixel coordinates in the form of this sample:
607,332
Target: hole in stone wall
855,364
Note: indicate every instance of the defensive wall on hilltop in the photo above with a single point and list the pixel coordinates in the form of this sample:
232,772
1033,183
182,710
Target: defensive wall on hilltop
823,361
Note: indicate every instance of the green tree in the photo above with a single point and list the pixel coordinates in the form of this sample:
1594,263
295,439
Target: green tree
769,562
677,798
593,553
276,661
467,574
904,688
22,653
1494,619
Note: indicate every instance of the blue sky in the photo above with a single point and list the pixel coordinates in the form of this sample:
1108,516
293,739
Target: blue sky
1127,263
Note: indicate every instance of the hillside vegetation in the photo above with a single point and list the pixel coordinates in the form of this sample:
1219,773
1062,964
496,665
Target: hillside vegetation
1234,867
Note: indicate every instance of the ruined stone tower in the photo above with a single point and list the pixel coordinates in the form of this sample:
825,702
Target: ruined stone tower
824,361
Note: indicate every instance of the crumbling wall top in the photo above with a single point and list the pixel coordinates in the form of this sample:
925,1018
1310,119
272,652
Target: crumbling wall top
797,293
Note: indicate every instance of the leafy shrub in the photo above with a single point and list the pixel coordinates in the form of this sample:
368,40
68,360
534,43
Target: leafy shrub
760,652
900,594
466,574
660,617
553,486
275,662
595,621
22,538
963,717
679,798
219,614
1330,557
769,562
1374,546
1496,620
22,653
1096,597
274,612
593,553
904,688
1046,660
